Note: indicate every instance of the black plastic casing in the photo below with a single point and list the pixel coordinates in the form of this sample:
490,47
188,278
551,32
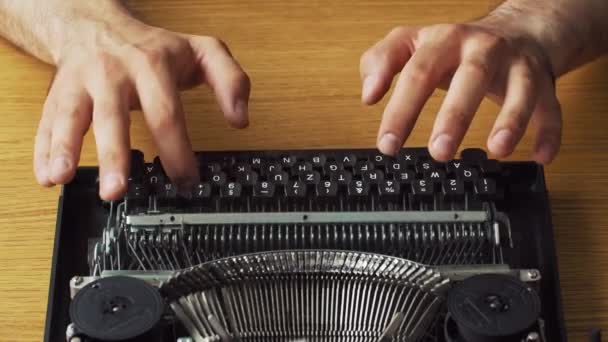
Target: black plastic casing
80,217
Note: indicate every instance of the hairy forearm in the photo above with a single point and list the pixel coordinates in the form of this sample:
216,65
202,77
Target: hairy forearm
572,32
45,28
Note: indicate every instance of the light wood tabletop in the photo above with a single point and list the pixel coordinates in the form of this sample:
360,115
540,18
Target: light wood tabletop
303,59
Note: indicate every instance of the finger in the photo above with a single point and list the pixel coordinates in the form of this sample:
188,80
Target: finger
111,129
42,145
73,118
164,115
464,96
382,61
511,123
416,83
547,119
229,82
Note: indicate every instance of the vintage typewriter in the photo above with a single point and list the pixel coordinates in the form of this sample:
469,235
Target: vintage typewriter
311,245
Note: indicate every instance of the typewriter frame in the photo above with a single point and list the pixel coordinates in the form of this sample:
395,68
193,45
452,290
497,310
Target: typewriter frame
79,218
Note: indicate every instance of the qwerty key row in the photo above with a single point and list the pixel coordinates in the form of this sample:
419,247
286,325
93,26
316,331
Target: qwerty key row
322,174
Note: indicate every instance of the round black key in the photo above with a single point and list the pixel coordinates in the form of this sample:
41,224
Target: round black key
263,189
358,188
218,178
389,187
288,161
300,167
327,189
341,177
231,190
310,177
373,177
247,178
278,178
272,168
348,160
295,189
201,191
333,166
318,160
363,166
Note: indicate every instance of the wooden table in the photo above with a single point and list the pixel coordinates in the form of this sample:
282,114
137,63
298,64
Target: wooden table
303,58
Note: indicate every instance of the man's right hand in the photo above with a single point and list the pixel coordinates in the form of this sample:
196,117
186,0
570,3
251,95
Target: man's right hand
104,69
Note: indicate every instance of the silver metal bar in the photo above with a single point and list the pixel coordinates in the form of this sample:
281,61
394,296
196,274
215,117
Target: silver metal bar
461,272
178,219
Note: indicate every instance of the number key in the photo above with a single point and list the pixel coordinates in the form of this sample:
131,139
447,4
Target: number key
327,189
485,187
358,188
295,189
231,190
201,191
389,187
453,188
263,189
423,188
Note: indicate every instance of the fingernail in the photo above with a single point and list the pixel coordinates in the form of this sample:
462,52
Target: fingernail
61,165
503,139
545,152
241,107
389,144
443,144
368,85
43,176
112,182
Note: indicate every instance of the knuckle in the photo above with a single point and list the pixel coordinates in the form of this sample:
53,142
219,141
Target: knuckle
516,122
527,74
216,43
531,66
478,65
154,58
110,69
492,42
419,73
107,63
73,114
457,117
110,156
451,31
166,117
379,56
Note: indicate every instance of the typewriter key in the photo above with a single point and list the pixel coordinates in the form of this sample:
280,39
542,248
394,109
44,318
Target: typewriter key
117,309
493,307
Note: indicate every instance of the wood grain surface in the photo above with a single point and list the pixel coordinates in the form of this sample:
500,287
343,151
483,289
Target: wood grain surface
303,59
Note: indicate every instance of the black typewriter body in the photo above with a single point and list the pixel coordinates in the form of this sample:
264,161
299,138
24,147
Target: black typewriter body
471,217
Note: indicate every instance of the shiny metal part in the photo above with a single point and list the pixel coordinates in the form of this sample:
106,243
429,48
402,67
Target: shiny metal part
169,219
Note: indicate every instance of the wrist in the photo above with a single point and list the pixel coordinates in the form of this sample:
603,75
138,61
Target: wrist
540,26
77,24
